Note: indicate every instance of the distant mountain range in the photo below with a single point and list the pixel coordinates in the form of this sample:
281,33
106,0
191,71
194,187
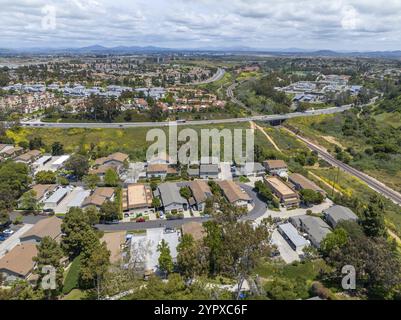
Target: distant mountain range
101,50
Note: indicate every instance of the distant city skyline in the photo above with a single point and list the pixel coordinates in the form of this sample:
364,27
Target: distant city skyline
345,25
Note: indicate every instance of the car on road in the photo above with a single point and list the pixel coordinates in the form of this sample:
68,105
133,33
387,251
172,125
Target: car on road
112,222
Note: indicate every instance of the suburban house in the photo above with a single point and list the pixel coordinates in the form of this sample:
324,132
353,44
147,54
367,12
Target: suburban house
115,242
55,199
10,151
250,169
294,239
101,170
48,227
18,264
28,157
335,214
200,192
193,172
301,183
115,159
137,198
170,197
195,229
98,197
42,191
157,170
314,227
276,167
209,171
234,194
288,197
75,199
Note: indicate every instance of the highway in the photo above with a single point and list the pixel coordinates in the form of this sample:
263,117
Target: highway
371,182
92,125
216,77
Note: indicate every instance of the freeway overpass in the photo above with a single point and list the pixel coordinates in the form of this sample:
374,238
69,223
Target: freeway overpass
267,118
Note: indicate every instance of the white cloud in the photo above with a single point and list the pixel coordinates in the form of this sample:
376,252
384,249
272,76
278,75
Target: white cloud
344,24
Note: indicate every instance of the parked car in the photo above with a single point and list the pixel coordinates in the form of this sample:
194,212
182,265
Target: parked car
2,238
140,219
8,232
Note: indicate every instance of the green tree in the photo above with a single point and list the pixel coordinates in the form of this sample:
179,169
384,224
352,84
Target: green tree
45,177
165,259
50,254
57,149
14,181
91,181
29,201
109,211
191,258
95,262
75,227
35,143
243,246
111,178
156,203
377,264
214,242
186,193
373,219
92,214
310,197
337,239
4,218
78,165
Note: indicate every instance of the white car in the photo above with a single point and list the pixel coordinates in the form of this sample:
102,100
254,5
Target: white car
8,232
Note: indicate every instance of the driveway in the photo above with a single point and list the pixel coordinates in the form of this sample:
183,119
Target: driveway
259,208
26,218
225,171
13,240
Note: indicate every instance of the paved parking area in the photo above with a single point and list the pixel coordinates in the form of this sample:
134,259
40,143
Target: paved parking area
286,252
13,240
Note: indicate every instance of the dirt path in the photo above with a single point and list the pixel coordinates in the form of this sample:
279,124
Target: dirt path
255,126
393,235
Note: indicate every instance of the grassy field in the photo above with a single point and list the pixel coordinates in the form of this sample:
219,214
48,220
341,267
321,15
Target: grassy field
326,131
131,140
352,186
389,119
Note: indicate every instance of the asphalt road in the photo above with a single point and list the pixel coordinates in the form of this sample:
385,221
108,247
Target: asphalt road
258,210
40,124
216,77
371,182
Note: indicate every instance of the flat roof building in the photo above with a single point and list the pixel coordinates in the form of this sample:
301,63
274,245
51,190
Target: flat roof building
137,197
301,183
336,214
288,197
295,240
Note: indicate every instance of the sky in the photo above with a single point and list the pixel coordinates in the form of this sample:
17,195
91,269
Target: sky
262,24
